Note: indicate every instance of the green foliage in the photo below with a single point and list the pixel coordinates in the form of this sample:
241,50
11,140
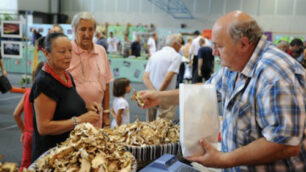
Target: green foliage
25,79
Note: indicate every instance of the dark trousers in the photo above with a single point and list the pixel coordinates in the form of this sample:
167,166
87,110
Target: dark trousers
180,76
205,75
195,78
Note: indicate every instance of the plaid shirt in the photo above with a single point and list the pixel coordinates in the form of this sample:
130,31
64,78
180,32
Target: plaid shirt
267,101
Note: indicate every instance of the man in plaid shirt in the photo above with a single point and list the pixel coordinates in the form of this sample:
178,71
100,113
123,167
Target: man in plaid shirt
263,95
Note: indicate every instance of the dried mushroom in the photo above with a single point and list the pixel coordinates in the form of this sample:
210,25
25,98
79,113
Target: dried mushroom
9,167
87,149
136,97
139,133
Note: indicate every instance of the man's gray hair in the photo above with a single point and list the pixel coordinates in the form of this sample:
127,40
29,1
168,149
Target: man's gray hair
173,38
249,29
283,43
81,16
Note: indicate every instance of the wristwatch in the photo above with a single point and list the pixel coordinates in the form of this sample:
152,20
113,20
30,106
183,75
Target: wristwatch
75,121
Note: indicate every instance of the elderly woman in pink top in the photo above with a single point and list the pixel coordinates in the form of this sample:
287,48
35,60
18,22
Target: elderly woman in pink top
89,65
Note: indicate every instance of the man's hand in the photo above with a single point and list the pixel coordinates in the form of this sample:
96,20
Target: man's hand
150,98
211,157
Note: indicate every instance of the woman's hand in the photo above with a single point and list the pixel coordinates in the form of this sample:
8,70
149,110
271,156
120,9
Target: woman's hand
21,137
95,107
89,116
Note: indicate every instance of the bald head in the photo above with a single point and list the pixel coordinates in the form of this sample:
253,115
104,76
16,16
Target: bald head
238,24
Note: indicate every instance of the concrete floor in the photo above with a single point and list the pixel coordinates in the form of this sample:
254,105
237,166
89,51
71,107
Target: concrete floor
10,145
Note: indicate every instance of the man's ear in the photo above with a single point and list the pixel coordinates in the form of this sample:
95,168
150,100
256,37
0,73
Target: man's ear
245,44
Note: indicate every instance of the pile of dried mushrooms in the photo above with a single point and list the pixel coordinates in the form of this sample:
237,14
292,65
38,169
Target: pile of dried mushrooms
87,149
140,133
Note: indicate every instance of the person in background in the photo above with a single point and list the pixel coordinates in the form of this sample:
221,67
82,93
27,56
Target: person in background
205,62
283,45
101,40
262,90
120,110
180,75
193,52
152,44
26,125
126,44
136,47
152,28
160,74
89,66
186,47
296,49
188,65
35,36
4,73
57,107
304,59
112,43
57,28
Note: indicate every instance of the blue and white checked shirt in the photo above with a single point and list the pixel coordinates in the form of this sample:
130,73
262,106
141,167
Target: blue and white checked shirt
268,101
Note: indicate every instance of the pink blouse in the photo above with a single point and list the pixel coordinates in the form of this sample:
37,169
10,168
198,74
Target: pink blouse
91,72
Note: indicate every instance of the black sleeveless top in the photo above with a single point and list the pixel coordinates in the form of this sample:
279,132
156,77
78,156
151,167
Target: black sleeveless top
68,104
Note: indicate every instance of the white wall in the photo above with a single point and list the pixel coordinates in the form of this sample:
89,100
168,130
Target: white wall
34,5
281,16
8,6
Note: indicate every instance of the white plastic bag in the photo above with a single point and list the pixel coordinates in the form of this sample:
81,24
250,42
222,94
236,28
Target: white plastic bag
198,117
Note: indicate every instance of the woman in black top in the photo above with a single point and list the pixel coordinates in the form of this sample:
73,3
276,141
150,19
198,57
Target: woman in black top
57,106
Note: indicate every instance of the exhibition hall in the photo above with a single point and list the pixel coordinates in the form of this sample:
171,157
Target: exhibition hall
152,85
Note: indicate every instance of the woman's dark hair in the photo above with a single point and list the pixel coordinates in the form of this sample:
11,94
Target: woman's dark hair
49,39
296,41
37,70
119,86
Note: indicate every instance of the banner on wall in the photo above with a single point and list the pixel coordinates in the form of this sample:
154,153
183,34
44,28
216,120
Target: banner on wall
268,36
44,29
206,33
118,31
287,38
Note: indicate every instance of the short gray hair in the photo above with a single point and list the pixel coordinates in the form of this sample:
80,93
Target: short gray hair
173,38
283,43
250,29
81,16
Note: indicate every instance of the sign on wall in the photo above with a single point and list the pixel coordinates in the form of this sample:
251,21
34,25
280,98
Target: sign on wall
11,49
11,29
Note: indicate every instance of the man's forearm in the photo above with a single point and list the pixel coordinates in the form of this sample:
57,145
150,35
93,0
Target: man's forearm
106,98
200,63
106,118
260,151
147,82
170,97
166,81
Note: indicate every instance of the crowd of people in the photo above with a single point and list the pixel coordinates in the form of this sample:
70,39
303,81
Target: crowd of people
261,88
